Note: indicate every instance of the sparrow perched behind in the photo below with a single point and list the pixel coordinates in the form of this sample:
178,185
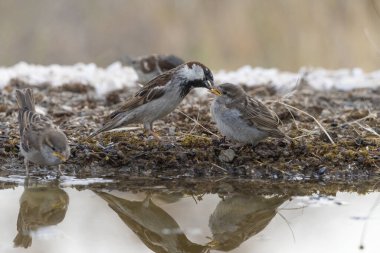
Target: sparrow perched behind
159,97
41,142
242,118
148,67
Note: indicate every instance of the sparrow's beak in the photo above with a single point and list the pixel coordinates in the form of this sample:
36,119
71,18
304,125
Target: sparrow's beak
215,91
60,156
210,86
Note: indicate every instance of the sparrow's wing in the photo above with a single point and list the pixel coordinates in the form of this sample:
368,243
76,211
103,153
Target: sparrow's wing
34,124
154,89
258,115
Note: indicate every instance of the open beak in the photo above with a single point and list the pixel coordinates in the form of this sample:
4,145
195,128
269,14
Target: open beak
60,156
215,91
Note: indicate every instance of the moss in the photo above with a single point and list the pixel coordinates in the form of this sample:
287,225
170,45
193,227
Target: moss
196,141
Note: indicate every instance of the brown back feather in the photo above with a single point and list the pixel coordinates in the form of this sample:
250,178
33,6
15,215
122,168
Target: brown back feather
258,115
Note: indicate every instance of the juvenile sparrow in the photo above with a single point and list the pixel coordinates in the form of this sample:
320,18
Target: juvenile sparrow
238,217
40,206
159,97
148,67
242,118
40,141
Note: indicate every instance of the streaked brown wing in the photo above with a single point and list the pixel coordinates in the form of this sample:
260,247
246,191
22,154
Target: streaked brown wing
32,125
152,90
258,115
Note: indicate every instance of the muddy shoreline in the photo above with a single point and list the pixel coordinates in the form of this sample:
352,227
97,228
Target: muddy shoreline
192,147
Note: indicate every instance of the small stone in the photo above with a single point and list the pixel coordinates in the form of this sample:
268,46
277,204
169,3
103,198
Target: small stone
227,155
172,130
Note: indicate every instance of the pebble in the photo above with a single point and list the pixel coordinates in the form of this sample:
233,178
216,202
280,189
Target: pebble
227,155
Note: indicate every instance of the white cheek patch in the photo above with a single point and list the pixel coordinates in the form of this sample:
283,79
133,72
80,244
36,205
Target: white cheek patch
193,73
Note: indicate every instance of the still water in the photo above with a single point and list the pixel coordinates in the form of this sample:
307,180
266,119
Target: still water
50,217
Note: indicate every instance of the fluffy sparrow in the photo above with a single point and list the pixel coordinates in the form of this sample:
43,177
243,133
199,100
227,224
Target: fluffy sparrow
159,97
40,206
238,217
40,141
148,67
242,118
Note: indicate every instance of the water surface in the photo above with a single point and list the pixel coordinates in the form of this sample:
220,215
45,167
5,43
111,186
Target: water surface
57,218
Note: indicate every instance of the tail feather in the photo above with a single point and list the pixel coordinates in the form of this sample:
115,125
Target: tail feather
108,126
276,133
22,240
112,122
25,100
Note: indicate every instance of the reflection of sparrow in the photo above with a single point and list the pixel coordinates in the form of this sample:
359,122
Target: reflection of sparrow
159,97
239,217
242,118
39,207
155,227
41,141
148,67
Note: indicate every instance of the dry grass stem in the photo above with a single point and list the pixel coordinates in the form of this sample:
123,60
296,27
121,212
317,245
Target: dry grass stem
311,116
197,122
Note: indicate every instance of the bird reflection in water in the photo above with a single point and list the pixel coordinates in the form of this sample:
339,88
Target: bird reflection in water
239,217
40,206
155,227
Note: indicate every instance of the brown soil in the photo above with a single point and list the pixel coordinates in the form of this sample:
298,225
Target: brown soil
191,151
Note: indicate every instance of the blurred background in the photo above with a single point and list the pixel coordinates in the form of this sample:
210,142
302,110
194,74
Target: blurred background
223,34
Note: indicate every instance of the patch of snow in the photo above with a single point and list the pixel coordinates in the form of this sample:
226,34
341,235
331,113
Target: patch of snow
116,76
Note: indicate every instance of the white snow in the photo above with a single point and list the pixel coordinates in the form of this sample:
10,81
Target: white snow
116,76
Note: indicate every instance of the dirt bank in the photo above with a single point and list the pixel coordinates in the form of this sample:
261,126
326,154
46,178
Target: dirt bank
191,145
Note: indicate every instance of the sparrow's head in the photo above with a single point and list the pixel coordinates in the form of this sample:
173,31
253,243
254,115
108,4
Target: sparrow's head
55,146
230,92
195,75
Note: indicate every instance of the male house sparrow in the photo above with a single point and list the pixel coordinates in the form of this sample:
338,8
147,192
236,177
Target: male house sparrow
242,118
159,97
148,67
40,141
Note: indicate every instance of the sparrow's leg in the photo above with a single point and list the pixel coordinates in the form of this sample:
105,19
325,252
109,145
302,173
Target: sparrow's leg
26,162
60,173
149,129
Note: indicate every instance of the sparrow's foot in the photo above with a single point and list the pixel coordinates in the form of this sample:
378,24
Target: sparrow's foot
154,134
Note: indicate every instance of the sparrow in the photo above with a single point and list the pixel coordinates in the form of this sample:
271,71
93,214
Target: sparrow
238,217
41,142
159,97
156,228
242,118
148,67
40,206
